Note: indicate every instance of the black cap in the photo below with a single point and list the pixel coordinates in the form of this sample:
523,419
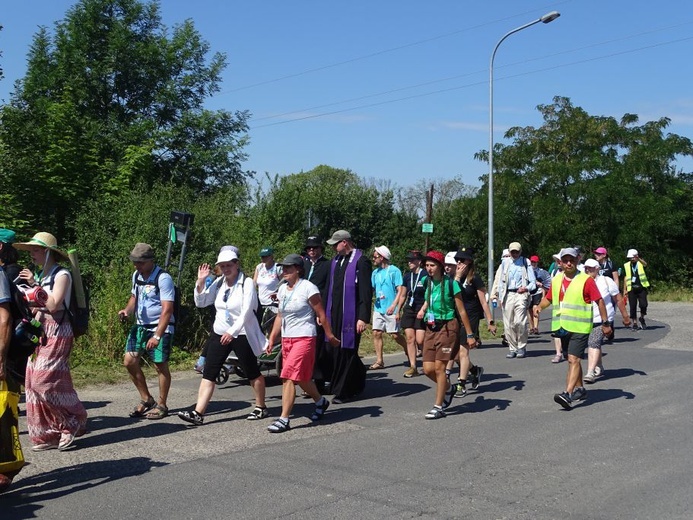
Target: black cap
466,253
414,255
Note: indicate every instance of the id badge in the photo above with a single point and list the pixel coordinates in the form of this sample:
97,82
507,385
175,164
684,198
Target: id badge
411,301
430,318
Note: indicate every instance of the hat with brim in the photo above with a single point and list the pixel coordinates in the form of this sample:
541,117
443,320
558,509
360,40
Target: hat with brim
292,259
450,258
466,253
435,256
313,241
412,256
142,252
42,240
226,255
338,236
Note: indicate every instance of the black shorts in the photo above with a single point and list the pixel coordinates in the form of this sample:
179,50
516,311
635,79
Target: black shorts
217,354
410,321
575,344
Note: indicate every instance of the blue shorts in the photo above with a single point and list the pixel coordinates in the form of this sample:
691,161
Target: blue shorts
137,344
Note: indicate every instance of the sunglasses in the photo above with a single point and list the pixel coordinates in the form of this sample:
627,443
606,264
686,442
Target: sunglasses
226,295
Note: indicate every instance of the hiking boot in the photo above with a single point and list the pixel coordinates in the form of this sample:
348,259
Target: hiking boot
564,400
579,394
412,372
475,376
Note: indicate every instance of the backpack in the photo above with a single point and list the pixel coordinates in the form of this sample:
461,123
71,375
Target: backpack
78,315
176,294
27,332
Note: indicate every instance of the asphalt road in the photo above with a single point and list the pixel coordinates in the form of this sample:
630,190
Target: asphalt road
505,452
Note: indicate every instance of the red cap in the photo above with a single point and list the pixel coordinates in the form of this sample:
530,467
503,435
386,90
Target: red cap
435,256
534,258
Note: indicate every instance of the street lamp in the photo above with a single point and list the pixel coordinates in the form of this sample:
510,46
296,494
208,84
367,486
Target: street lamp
547,18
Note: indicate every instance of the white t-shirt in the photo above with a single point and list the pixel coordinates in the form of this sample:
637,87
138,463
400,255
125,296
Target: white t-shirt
298,317
48,282
609,290
267,282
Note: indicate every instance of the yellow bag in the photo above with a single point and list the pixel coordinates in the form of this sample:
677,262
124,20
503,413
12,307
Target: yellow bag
11,456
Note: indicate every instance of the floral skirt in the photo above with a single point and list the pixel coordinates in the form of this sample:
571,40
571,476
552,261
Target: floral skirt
52,405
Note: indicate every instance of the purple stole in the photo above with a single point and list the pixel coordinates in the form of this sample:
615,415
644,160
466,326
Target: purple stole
348,332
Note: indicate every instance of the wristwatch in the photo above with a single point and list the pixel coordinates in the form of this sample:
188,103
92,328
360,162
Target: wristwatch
158,338
470,336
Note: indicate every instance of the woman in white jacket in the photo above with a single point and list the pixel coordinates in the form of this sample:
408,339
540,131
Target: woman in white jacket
235,328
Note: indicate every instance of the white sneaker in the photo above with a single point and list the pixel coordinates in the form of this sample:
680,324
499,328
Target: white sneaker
590,377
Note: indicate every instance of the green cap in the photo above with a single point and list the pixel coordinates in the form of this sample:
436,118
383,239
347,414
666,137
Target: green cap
7,236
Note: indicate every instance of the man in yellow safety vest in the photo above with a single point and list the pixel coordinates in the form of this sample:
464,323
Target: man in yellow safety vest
572,294
635,285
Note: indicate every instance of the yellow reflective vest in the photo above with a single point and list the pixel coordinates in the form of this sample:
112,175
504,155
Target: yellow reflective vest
571,313
627,267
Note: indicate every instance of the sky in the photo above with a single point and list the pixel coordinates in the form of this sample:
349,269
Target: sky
398,90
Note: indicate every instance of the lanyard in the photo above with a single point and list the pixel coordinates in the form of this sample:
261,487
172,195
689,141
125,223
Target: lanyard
286,298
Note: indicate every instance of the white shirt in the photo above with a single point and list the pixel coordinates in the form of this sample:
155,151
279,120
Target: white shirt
235,306
609,290
298,317
267,282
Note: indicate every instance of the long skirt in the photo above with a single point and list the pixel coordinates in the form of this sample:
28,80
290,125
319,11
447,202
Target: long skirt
52,405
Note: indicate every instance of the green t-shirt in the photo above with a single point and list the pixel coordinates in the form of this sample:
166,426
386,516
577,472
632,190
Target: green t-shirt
442,305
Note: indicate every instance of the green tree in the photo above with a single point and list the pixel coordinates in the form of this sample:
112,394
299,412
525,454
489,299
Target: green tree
595,180
111,101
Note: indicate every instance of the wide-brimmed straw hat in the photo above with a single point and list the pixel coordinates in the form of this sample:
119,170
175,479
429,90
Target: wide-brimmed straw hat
42,240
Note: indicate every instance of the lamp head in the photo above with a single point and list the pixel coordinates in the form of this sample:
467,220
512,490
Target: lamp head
550,17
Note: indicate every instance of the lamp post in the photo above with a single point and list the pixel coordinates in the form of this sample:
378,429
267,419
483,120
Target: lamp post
547,18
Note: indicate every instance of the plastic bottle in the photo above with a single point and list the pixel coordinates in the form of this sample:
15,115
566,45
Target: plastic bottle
208,281
495,303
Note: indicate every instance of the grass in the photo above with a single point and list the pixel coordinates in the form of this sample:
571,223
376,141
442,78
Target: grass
670,293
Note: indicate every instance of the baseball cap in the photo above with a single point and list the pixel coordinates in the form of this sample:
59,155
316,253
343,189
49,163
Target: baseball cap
7,236
568,251
632,253
338,236
515,246
226,255
591,262
466,253
600,251
534,258
141,252
450,258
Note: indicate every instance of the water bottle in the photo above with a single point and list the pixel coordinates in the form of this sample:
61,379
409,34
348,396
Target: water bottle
208,281
494,303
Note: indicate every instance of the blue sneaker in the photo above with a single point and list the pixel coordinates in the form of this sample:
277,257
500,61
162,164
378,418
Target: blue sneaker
579,394
564,400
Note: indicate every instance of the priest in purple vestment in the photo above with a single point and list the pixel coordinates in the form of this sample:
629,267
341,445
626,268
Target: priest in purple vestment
348,307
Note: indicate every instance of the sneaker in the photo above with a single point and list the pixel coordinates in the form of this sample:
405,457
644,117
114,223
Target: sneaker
635,327
192,417
44,447
475,378
460,389
643,325
590,377
66,440
521,353
435,413
599,371
412,372
511,354
579,394
564,400
557,358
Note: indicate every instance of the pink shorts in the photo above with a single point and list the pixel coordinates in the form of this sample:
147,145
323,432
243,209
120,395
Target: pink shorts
298,358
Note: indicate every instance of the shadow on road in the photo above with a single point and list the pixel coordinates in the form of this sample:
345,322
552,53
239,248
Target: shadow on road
20,501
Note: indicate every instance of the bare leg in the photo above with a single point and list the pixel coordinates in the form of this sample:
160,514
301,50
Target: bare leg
288,397
441,379
164,381
258,385
574,377
132,364
204,395
378,346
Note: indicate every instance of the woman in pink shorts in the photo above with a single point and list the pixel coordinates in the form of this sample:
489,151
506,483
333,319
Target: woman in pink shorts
299,304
